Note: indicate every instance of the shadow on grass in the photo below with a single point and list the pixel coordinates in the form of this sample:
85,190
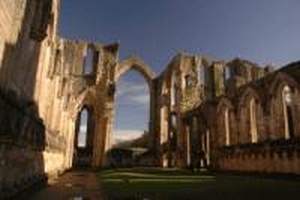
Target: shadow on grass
156,184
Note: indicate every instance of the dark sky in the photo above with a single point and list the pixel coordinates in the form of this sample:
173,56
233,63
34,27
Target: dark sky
263,31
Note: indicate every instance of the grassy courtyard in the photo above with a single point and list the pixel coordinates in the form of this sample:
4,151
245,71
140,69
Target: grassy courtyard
157,184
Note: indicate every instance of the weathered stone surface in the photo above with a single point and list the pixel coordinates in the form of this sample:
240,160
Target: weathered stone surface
207,103
228,115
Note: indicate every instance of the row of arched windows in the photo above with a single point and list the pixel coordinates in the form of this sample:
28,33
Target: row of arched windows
251,118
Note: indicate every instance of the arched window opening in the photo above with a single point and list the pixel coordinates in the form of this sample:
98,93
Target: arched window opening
188,81
226,73
132,103
174,122
287,112
253,121
57,57
173,132
83,142
226,126
83,129
201,75
173,90
89,58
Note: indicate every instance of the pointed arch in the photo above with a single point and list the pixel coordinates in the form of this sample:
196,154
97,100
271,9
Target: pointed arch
225,122
224,102
280,80
137,64
245,97
281,113
85,117
250,113
81,139
84,137
85,98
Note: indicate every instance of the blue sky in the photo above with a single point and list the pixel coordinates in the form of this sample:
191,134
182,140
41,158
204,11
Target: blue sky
132,106
263,31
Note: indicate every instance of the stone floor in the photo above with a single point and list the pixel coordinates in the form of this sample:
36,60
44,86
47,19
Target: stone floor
76,185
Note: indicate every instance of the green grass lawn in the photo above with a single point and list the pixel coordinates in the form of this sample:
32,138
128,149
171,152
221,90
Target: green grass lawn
158,184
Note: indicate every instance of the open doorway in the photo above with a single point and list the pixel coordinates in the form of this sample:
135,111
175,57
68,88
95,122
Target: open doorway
131,127
83,142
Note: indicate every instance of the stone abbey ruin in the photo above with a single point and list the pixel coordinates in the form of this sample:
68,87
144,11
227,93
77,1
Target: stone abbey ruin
223,115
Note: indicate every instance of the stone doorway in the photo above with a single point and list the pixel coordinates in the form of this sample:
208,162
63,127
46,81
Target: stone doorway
198,148
83,142
135,67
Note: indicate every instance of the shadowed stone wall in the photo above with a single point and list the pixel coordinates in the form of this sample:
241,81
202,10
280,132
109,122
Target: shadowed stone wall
247,139
30,150
45,82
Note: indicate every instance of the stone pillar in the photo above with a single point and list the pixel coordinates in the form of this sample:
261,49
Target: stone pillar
151,113
70,142
99,140
216,86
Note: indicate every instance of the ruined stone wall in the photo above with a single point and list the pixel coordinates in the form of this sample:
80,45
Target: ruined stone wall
267,158
22,142
240,81
182,87
192,92
12,14
28,27
6,18
30,150
75,89
44,86
275,150
241,72
48,73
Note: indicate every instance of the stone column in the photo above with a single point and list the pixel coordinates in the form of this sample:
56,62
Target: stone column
152,110
99,140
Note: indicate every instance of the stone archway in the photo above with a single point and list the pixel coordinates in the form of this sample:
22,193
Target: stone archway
103,111
83,146
138,65
86,100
